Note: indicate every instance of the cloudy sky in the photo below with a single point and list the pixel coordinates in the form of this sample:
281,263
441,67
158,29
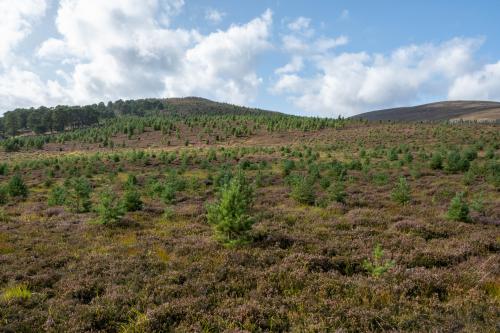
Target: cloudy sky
320,57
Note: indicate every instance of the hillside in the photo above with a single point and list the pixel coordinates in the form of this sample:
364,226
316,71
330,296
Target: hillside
439,111
169,217
203,106
43,120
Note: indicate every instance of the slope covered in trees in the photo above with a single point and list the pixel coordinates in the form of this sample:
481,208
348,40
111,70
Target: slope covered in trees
59,118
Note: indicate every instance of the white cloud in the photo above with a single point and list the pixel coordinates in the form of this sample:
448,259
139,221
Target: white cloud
214,16
23,88
351,83
52,48
223,63
123,50
106,50
483,84
295,65
17,22
301,25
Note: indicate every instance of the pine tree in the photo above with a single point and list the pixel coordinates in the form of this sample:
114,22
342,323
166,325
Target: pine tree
436,161
57,196
303,190
229,216
4,193
79,190
458,210
336,192
132,200
17,188
401,193
109,208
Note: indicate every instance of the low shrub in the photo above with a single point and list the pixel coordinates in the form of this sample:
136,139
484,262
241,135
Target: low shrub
19,291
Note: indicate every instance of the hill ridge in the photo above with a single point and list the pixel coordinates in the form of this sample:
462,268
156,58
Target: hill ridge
469,110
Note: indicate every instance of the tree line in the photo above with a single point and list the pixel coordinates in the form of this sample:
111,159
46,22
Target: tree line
56,119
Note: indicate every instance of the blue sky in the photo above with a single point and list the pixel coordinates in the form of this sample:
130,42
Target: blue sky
324,58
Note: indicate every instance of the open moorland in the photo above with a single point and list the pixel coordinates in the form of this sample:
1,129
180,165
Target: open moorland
246,221
477,111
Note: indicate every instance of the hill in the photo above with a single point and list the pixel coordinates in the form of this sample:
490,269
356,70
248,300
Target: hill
203,106
166,217
448,110
45,120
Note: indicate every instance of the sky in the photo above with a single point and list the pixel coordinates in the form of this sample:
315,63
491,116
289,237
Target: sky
317,58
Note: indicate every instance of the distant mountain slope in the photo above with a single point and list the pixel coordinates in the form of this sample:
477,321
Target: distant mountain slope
198,105
449,110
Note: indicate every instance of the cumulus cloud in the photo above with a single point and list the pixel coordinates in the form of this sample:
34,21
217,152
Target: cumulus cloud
350,83
23,88
483,84
18,18
124,50
214,16
223,63
301,25
19,86
107,50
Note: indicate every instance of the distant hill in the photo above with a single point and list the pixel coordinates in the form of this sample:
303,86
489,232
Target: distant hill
63,117
449,110
198,105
